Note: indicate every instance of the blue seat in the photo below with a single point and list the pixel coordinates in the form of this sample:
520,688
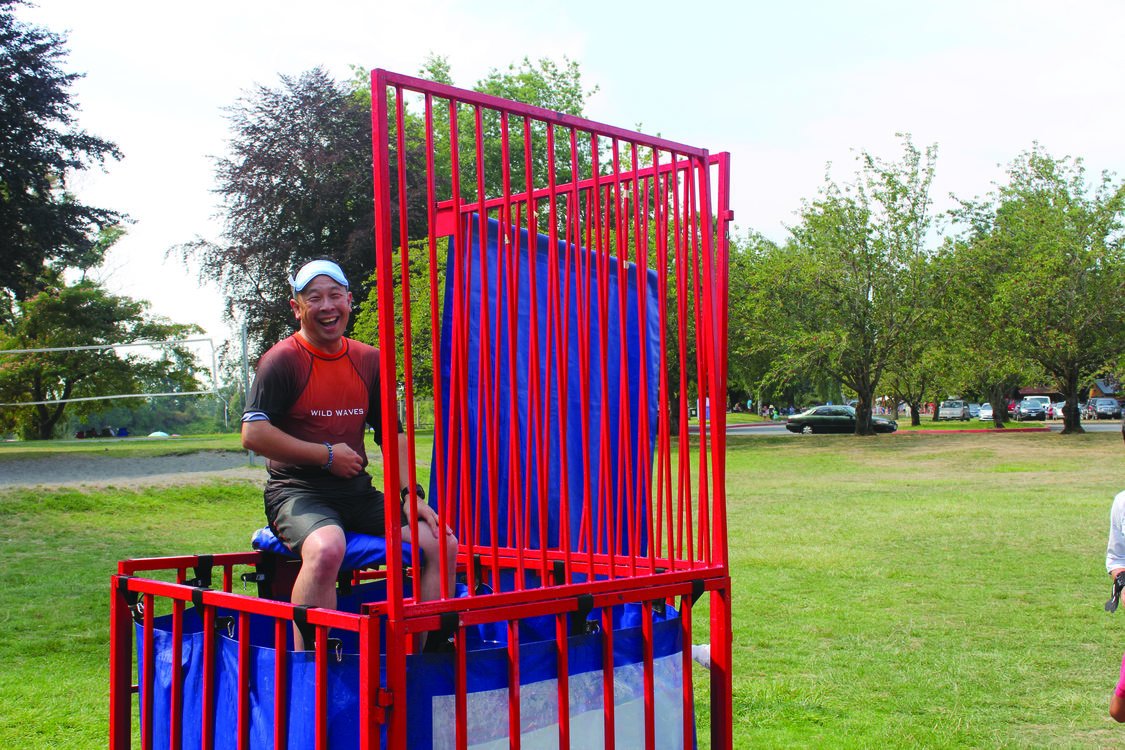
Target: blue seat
364,550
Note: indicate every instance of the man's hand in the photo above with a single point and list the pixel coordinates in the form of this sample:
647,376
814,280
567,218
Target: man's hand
426,515
345,461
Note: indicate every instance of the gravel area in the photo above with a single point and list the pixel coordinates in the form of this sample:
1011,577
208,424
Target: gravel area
104,471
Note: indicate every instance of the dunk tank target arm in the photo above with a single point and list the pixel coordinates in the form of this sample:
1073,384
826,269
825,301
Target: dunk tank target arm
559,288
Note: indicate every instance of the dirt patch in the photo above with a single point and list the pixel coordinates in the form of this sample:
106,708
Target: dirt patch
129,473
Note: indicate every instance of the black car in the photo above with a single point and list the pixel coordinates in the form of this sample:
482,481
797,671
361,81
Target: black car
1029,409
833,419
1103,408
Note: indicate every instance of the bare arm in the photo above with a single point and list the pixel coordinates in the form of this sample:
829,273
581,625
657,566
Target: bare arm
264,438
1117,708
426,514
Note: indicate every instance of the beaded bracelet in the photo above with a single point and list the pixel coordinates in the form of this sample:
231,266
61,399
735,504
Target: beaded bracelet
329,447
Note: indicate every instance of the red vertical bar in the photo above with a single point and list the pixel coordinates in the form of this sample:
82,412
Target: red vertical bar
486,420
120,668
439,477
688,705
648,678
396,659
643,505
719,439
384,287
608,696
208,700
514,733
562,651
684,447
370,714
460,687
722,721
280,684
147,674
320,690
586,257
407,343
511,287
701,289
243,681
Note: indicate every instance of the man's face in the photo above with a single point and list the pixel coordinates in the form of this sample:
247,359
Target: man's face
322,308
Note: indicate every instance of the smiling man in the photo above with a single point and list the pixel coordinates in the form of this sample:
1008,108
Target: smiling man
312,396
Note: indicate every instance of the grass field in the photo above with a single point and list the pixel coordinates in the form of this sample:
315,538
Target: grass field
903,591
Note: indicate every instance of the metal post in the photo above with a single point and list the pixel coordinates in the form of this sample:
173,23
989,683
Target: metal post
246,381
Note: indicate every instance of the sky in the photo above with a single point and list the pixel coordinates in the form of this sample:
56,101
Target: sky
786,88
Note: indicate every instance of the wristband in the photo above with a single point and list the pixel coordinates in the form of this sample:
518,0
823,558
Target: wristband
404,494
329,447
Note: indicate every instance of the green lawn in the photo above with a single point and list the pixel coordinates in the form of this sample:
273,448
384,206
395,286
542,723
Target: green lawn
900,591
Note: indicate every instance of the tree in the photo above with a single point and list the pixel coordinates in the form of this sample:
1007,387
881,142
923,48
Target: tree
298,182
83,314
40,145
297,185
1047,252
850,289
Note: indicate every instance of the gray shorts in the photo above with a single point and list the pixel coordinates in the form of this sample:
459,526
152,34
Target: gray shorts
295,512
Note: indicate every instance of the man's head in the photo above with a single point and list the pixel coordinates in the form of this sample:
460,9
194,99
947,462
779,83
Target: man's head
322,303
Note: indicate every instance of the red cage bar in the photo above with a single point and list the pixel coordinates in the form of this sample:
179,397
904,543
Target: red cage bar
555,511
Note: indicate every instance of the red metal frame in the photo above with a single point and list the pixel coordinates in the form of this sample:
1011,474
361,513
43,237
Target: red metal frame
678,203
607,190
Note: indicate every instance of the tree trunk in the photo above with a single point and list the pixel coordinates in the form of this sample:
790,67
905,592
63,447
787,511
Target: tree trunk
997,396
863,413
1072,422
915,413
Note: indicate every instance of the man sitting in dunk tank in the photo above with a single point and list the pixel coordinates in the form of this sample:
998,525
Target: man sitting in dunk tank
312,395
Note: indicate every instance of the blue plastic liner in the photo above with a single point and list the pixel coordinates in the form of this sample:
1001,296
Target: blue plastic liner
642,341
430,680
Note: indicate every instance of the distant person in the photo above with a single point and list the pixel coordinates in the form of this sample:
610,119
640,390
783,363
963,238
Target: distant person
1115,566
313,393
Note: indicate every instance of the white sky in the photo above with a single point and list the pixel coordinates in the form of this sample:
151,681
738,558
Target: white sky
785,87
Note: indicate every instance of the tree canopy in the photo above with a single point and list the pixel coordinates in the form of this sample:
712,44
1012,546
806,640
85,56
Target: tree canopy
298,184
848,290
1042,265
41,222
83,314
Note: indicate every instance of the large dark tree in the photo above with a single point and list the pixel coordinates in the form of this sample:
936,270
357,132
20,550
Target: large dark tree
40,144
297,185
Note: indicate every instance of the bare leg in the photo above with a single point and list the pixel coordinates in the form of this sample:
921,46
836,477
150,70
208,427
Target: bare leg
430,577
321,555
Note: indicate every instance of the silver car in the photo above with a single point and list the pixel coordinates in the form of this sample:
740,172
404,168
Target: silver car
953,410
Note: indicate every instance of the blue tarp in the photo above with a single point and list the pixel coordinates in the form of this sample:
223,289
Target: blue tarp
430,681
603,334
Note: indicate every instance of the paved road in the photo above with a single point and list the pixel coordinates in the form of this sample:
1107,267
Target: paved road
778,428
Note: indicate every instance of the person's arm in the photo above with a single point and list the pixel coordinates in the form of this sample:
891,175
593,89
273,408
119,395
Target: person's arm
1117,700
264,438
426,514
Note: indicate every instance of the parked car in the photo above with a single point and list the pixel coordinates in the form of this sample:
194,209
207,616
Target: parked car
1031,409
953,410
833,419
1103,408
1055,410
974,411
985,413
